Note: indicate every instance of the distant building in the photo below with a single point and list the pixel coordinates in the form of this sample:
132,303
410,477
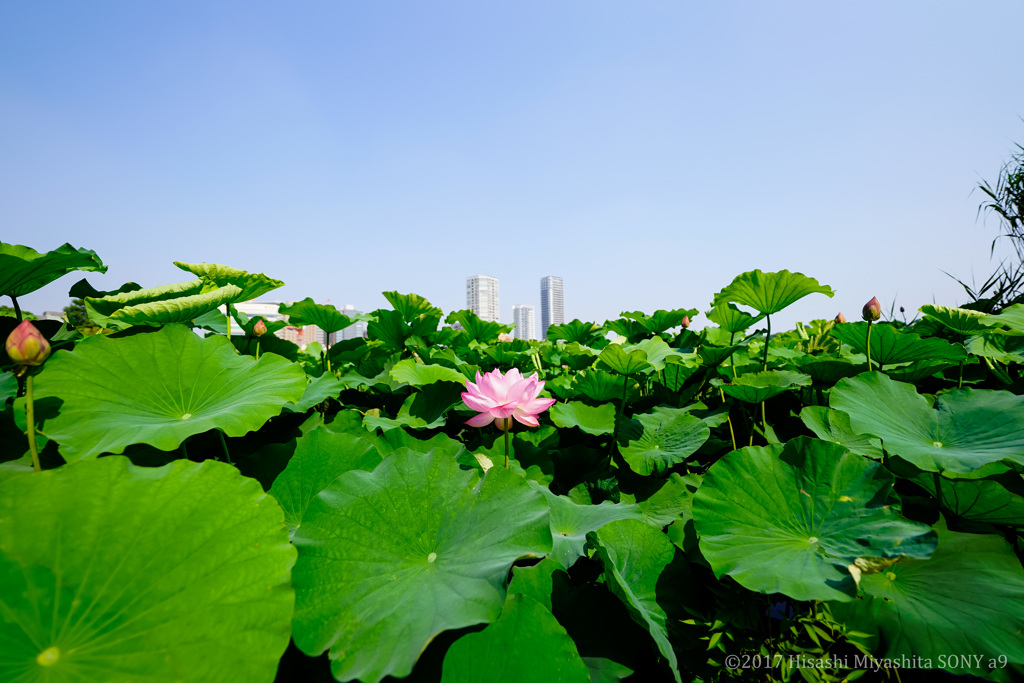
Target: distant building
552,306
523,319
356,329
52,315
482,297
304,335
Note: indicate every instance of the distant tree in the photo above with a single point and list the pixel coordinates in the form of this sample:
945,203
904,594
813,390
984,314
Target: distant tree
9,311
77,315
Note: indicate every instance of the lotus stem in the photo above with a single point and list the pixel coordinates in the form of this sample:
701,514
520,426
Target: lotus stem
868,349
728,418
508,427
767,336
17,308
764,422
224,445
257,348
960,382
938,488
227,307
31,417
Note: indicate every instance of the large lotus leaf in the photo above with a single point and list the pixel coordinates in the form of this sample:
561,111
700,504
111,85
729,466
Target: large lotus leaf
424,409
390,558
253,285
8,387
916,371
635,556
412,306
827,371
890,345
534,581
160,388
961,609
664,443
1003,347
998,500
181,302
732,319
770,292
325,316
526,644
656,323
24,270
967,430
834,426
657,352
111,572
82,289
792,519
960,320
619,360
1011,317
570,523
473,327
602,386
755,387
416,374
318,390
320,457
592,420
575,331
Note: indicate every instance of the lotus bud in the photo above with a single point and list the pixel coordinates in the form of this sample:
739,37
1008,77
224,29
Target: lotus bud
260,328
902,310
686,321
872,310
840,318
27,346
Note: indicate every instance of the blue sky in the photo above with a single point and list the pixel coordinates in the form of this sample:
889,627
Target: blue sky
647,151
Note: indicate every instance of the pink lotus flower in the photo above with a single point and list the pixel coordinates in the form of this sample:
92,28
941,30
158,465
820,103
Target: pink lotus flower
501,397
27,346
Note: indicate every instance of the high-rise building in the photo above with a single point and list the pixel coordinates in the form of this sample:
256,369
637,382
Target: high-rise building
482,297
522,317
552,307
356,329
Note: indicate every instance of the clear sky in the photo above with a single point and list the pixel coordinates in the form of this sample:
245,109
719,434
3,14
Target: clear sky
646,151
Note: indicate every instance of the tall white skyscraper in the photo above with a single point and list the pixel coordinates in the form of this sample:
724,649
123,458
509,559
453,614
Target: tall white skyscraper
482,297
552,308
522,318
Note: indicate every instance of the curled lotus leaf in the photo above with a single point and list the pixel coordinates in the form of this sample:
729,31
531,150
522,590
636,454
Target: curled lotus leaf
732,319
181,302
770,292
325,316
960,320
160,388
24,270
252,285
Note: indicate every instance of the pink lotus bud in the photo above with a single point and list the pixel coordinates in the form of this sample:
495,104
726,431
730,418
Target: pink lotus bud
840,318
260,328
686,321
872,310
26,346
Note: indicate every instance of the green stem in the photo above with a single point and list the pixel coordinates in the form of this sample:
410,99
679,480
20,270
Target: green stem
768,336
227,307
184,451
17,308
960,382
508,426
938,488
224,445
618,417
869,346
732,363
728,419
31,417
764,422
257,348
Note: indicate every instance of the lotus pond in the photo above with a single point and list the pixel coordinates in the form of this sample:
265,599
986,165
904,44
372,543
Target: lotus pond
179,503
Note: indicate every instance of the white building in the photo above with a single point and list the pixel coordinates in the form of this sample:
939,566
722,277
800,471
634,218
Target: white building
552,306
482,297
356,329
522,317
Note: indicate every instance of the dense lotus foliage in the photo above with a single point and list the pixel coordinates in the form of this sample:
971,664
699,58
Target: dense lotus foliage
209,502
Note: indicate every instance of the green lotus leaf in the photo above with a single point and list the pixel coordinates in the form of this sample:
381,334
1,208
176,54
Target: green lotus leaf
525,644
664,442
1005,348
656,323
410,372
179,302
82,289
961,607
1011,317
732,319
424,409
119,573
390,328
834,426
420,533
576,331
769,292
997,500
618,360
890,345
8,387
656,351
917,371
159,388
325,316
634,557
792,519
473,327
605,670
15,468
318,390
320,457
535,581
755,387
253,285
600,385
716,355
412,306
24,270
960,320
671,502
592,420
967,430
570,523
827,371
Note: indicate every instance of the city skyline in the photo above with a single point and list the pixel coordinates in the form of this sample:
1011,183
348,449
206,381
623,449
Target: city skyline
552,303
524,321
482,297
